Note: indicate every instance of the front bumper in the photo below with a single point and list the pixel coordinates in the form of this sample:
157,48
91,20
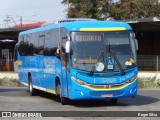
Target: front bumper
78,92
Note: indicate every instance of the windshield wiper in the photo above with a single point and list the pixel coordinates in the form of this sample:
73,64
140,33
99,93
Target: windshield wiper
93,68
116,59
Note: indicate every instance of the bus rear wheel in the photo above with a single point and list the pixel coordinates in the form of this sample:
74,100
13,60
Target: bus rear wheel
64,100
30,86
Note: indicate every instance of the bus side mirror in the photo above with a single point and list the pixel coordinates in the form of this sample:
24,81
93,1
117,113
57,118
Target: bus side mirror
68,46
136,43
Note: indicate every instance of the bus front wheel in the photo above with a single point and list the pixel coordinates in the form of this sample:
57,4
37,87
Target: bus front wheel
64,100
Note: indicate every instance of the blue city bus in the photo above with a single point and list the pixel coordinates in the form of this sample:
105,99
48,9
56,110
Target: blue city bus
79,60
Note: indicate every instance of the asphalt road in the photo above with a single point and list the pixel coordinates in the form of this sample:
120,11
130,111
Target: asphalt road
18,99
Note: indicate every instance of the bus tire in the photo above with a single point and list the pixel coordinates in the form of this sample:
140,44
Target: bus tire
30,86
64,100
113,101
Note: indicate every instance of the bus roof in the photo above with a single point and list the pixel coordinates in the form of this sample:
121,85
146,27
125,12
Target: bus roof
84,26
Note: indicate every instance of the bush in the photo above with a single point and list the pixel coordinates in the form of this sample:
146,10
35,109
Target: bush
148,83
6,82
143,83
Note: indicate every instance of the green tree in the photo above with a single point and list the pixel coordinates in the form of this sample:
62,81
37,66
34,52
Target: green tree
87,8
103,9
127,9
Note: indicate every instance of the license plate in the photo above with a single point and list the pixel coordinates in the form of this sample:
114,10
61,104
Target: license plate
107,95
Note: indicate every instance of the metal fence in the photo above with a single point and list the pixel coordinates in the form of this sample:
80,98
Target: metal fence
149,62
145,63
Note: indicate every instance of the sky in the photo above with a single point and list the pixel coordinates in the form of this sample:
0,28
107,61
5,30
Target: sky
31,11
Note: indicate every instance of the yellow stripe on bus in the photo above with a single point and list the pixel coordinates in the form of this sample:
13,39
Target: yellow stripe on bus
20,63
100,89
103,29
107,89
51,91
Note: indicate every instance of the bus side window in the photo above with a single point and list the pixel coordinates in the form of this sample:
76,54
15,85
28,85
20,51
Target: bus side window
48,44
30,49
55,51
15,52
41,42
22,48
27,50
15,57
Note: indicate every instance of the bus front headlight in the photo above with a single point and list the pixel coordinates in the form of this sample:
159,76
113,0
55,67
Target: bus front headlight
78,81
132,79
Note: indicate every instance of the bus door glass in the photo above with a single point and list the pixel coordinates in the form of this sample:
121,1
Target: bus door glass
65,64
15,58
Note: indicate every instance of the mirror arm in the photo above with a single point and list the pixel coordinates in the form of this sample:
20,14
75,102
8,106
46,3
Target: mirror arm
68,46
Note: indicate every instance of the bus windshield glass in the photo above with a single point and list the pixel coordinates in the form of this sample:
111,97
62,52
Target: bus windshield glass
118,50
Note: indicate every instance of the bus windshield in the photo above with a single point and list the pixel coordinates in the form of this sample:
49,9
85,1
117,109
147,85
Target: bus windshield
118,50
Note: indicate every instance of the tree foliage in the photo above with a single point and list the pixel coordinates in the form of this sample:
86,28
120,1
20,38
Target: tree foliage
127,9
103,9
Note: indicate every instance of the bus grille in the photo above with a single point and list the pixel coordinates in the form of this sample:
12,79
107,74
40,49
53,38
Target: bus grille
104,86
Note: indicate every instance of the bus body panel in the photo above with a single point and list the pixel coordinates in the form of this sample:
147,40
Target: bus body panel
105,78
127,89
76,26
81,92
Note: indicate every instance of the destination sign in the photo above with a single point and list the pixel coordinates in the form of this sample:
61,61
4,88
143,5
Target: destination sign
88,38
87,60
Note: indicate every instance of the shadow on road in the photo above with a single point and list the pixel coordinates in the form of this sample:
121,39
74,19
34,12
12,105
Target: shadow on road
140,100
8,89
47,96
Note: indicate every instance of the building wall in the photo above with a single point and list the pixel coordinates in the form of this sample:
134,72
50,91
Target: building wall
6,64
9,46
149,42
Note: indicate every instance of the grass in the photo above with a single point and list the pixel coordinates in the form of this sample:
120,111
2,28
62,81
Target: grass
6,82
149,83
143,83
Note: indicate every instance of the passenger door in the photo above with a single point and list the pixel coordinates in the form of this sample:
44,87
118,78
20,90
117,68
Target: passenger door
65,64
15,58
